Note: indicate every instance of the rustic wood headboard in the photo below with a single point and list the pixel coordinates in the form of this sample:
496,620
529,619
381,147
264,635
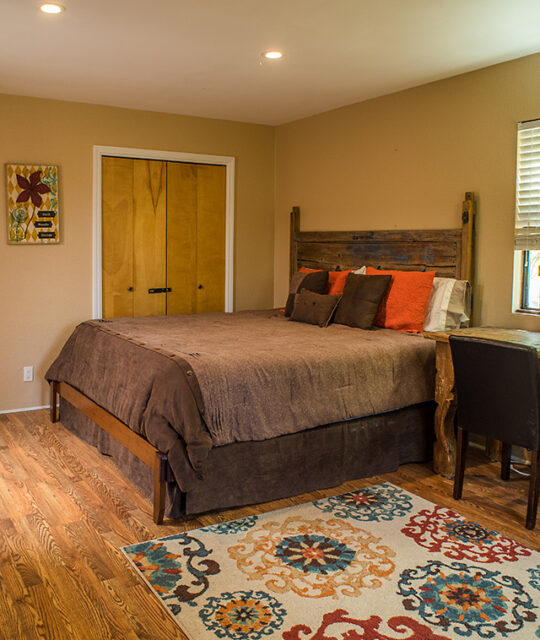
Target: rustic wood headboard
448,251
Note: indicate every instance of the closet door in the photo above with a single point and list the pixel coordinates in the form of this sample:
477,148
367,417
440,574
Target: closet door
163,227
195,237
133,237
117,237
181,238
210,238
149,233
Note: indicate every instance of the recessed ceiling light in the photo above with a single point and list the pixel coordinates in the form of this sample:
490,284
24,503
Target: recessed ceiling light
52,7
273,54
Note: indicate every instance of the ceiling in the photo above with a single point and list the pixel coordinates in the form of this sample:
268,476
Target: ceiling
202,57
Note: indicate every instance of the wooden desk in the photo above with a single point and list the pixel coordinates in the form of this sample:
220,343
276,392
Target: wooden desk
444,451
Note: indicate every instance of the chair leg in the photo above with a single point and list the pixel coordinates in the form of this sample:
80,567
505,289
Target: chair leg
505,460
461,452
534,490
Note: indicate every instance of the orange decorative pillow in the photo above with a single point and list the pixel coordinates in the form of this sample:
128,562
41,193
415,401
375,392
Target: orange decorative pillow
336,280
404,304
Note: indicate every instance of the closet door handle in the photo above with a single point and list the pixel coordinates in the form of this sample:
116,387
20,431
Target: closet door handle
130,288
160,290
200,287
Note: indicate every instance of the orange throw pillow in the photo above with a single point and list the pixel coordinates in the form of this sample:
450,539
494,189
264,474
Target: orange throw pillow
336,280
404,304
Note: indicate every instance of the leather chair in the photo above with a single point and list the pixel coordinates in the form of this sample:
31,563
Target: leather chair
498,396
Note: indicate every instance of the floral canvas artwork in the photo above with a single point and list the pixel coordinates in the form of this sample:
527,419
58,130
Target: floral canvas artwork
32,204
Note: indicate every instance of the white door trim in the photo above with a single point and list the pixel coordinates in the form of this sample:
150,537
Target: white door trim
175,156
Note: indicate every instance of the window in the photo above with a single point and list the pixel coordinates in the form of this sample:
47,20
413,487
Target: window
527,226
531,280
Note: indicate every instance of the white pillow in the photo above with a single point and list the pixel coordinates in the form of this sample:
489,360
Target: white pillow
449,305
361,271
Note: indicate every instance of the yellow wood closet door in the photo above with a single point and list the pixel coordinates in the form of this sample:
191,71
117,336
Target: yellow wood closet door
117,237
163,227
134,223
195,237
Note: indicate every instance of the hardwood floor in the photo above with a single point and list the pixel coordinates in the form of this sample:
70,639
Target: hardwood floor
65,511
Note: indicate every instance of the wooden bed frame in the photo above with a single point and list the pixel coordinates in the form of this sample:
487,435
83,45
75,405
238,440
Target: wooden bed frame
448,251
139,446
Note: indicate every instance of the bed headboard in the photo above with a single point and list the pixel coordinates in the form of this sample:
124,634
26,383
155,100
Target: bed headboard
448,251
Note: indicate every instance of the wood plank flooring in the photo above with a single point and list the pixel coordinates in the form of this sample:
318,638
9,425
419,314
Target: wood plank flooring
65,511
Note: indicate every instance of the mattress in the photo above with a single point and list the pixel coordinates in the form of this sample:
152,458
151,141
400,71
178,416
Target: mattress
191,383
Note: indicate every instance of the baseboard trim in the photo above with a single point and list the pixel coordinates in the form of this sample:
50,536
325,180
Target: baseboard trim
43,406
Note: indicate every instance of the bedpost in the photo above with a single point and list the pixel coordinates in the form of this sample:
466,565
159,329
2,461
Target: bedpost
295,228
160,479
53,389
467,237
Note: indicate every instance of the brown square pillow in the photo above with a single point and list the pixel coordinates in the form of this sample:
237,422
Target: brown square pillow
315,281
314,308
360,301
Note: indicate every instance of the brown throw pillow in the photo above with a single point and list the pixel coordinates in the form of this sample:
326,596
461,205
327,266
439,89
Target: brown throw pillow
360,301
315,281
314,308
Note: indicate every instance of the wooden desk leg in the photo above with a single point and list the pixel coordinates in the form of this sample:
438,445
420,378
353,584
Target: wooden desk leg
534,490
444,449
53,389
160,480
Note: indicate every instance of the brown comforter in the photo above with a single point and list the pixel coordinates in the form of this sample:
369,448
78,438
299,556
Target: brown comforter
219,378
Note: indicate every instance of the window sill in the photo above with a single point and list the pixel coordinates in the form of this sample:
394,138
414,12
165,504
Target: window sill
527,312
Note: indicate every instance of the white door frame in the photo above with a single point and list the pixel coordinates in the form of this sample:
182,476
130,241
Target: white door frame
175,156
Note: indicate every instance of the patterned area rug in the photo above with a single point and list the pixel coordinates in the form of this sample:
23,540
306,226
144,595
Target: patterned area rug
374,564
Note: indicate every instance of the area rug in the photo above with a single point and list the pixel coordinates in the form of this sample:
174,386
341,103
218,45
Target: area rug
374,564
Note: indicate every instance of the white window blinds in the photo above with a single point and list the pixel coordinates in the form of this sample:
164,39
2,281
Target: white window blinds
527,233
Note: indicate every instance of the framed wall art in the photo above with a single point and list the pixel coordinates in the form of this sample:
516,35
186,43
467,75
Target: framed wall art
32,204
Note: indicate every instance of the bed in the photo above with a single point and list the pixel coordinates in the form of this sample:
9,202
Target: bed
221,410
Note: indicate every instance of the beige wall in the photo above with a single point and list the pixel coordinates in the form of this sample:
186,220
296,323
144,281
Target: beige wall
400,161
405,161
46,290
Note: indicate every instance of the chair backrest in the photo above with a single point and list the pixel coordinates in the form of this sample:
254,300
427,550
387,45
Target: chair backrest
498,389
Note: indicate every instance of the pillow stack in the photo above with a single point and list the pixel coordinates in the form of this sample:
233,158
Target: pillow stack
411,301
315,295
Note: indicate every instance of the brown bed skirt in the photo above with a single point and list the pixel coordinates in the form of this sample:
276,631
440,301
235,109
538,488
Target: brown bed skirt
251,472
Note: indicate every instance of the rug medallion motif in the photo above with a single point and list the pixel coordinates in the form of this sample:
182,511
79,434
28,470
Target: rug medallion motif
446,532
314,558
376,504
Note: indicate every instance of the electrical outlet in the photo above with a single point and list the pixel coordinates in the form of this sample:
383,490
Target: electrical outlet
28,374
